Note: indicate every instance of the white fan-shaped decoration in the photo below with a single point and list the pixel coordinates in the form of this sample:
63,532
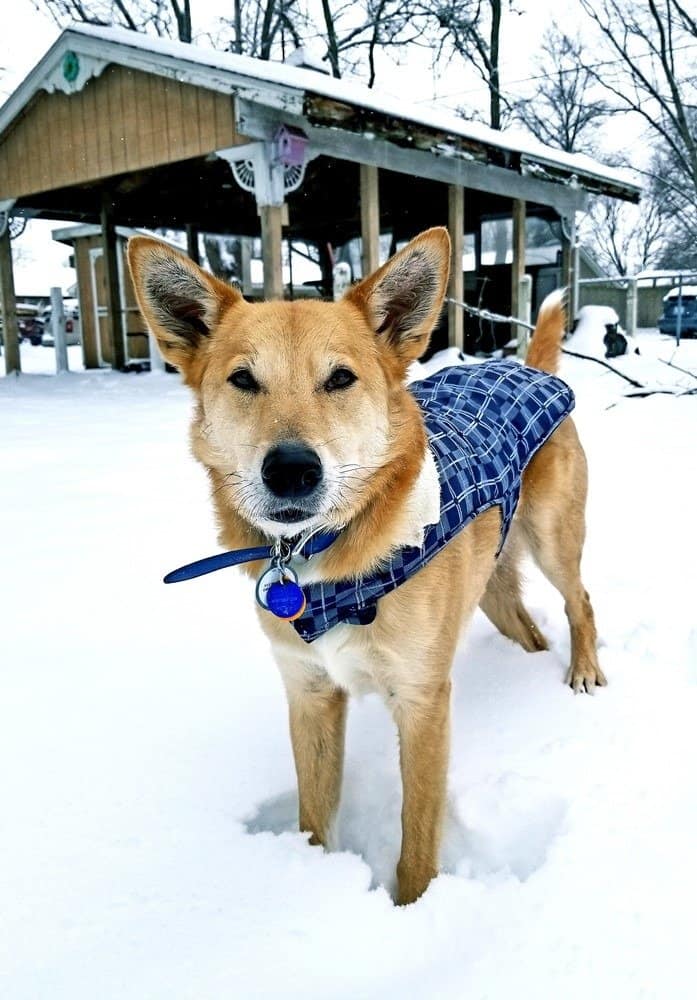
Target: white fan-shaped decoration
15,223
243,171
244,174
18,223
293,177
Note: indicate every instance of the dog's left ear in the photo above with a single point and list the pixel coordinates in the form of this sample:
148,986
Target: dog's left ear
403,298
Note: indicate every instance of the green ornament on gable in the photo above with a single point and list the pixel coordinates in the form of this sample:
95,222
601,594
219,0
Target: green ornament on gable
71,66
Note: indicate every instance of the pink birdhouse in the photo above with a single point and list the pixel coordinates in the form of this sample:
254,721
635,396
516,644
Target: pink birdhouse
289,145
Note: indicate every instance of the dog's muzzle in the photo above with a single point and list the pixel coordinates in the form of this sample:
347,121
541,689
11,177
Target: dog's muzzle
292,472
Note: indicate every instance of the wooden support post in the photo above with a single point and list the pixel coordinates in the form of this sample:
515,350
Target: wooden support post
569,267
113,287
518,264
271,249
8,306
192,243
456,286
370,218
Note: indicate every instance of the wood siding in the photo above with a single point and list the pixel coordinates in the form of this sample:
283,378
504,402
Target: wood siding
121,121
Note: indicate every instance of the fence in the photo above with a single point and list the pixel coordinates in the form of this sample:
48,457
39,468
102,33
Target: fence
637,299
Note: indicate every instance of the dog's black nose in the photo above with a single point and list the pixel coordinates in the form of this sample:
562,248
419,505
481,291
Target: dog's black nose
291,470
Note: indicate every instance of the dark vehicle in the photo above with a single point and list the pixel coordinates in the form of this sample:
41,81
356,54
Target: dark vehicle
72,324
32,329
685,307
29,324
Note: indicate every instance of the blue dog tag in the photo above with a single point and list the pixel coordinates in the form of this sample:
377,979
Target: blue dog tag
285,599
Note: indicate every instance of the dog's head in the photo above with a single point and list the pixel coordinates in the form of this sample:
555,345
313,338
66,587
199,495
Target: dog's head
302,405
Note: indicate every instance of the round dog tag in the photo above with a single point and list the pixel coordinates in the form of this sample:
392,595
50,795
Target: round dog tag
286,600
278,592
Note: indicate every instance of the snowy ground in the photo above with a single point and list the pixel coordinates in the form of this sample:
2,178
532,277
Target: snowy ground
147,832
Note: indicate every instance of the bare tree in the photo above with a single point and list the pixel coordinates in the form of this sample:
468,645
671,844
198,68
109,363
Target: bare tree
651,73
624,238
472,31
169,18
355,32
264,28
561,110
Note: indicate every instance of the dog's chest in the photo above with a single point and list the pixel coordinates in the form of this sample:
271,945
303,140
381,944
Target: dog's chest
346,654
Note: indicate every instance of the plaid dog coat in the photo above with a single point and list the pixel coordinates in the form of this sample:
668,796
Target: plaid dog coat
484,422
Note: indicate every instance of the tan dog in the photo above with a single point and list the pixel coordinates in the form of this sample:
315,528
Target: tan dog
303,418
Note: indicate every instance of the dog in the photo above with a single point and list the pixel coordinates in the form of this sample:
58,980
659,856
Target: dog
304,423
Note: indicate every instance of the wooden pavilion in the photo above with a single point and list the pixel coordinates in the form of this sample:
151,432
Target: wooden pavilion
122,130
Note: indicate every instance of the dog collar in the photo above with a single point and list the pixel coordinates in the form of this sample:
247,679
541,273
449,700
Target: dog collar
277,589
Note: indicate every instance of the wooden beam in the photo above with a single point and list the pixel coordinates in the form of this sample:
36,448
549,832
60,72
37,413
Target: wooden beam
113,286
344,145
518,264
456,285
370,218
271,249
8,306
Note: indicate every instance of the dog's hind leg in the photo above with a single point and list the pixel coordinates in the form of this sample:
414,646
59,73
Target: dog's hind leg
553,520
502,603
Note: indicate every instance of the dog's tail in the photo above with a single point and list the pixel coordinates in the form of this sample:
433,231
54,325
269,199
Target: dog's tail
545,346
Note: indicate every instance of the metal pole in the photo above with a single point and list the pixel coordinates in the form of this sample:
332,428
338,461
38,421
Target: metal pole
524,313
632,303
574,253
678,318
58,328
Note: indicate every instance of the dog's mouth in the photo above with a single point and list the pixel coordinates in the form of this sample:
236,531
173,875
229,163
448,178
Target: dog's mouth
289,515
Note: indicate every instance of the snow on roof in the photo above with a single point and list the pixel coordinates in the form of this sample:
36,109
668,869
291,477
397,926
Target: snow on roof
227,72
688,290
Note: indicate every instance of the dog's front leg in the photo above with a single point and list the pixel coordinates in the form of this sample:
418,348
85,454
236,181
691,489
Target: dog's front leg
423,720
317,729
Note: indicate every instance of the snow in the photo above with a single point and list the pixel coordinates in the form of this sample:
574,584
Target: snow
148,833
686,290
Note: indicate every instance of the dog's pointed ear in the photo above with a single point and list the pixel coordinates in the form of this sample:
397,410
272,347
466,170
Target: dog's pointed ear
403,298
181,304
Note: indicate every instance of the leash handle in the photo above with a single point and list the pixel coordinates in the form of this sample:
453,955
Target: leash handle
219,561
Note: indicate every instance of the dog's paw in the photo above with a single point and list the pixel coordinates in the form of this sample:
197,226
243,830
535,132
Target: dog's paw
585,677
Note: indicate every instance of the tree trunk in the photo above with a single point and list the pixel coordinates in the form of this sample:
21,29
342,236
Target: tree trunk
494,83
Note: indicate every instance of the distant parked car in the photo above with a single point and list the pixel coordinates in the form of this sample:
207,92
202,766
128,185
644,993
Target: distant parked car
29,324
686,309
72,324
31,328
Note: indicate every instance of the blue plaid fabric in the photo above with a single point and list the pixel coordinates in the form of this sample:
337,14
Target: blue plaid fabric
484,423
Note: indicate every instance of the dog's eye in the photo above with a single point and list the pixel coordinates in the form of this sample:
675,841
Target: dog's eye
244,380
342,378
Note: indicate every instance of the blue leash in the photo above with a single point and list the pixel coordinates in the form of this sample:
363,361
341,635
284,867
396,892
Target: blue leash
314,545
